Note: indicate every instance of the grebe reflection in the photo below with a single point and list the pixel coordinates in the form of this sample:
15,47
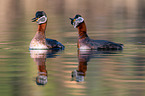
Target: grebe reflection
84,57
39,57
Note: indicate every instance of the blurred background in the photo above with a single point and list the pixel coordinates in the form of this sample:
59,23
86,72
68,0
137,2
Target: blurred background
108,74
98,14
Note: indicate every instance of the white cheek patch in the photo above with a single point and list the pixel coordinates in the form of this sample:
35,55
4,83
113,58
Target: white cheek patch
42,79
78,21
42,20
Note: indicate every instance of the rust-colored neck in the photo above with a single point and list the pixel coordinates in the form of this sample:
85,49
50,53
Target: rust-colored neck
82,63
41,28
41,66
82,30
82,67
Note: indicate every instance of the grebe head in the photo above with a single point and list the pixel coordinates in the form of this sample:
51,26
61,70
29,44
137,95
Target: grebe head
40,17
76,20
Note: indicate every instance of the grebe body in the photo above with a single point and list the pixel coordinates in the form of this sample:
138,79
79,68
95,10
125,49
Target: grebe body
39,41
85,43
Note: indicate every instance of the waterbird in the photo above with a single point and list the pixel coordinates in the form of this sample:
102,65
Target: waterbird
39,41
85,43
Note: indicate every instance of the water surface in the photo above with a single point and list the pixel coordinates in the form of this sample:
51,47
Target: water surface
95,73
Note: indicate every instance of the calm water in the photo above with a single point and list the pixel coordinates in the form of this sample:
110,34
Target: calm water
71,72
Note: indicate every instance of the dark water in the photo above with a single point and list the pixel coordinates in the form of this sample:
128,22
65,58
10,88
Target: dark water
71,72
